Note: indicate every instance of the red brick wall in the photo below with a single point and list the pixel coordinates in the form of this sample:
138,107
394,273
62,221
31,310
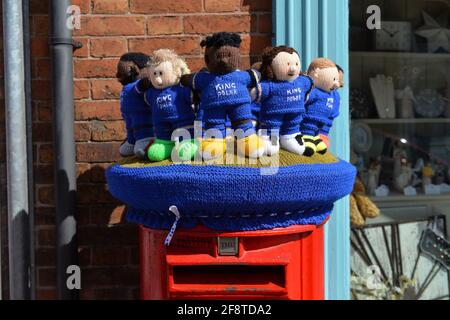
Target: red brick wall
108,248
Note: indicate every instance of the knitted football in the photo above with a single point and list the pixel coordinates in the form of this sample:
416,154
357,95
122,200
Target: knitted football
255,195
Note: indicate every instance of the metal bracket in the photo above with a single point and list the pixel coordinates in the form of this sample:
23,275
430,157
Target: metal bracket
69,41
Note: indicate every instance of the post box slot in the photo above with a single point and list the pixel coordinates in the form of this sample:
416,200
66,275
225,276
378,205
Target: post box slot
236,275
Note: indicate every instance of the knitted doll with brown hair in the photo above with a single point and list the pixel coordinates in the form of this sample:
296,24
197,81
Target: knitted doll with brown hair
283,94
322,101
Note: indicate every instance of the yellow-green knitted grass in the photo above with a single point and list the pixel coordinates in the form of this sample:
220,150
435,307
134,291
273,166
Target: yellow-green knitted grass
284,158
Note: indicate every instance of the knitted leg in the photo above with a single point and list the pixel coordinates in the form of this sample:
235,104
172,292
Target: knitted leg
325,139
271,148
321,146
213,144
251,146
310,146
126,149
367,208
213,148
356,218
141,147
160,150
188,148
290,143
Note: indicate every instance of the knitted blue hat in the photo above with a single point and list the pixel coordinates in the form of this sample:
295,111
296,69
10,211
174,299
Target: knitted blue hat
232,198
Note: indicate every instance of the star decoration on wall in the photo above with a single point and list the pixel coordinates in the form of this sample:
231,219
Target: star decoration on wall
436,32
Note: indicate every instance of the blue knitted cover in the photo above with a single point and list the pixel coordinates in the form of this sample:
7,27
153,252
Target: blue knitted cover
230,198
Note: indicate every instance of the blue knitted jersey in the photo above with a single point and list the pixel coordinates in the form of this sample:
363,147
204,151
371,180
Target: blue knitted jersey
170,103
319,109
222,90
171,109
334,114
283,97
136,113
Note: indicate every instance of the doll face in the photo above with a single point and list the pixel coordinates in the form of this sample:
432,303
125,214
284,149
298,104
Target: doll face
163,75
326,79
286,66
222,60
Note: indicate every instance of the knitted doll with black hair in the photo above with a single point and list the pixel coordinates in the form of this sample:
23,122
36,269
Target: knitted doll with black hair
224,92
171,105
325,130
322,104
283,94
136,113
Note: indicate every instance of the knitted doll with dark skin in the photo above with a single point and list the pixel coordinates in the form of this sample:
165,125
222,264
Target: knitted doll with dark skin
321,106
171,105
137,115
224,92
283,94
325,130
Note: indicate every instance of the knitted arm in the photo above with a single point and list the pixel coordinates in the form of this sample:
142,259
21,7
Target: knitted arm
255,77
309,85
264,91
328,123
187,80
143,85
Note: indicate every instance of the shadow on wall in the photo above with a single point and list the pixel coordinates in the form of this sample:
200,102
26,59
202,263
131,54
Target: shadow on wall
108,247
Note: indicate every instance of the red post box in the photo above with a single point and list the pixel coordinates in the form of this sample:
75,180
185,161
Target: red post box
204,264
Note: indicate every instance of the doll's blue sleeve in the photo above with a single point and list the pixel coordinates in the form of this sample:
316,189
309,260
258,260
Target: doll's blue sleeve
309,125
200,80
264,90
254,79
187,95
337,106
309,86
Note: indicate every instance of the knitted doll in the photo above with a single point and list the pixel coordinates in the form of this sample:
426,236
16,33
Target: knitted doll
171,105
224,92
322,104
283,95
325,130
137,115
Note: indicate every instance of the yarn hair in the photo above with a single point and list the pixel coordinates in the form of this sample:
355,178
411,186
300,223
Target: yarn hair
268,55
222,39
167,55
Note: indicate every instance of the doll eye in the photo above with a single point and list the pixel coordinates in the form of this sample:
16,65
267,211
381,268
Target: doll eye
289,63
160,73
296,64
155,73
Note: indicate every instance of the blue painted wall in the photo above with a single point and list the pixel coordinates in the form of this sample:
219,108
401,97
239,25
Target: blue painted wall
319,28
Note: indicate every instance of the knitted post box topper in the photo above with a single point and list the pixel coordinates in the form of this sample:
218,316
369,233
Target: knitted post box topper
224,92
325,130
171,105
138,119
323,103
283,95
